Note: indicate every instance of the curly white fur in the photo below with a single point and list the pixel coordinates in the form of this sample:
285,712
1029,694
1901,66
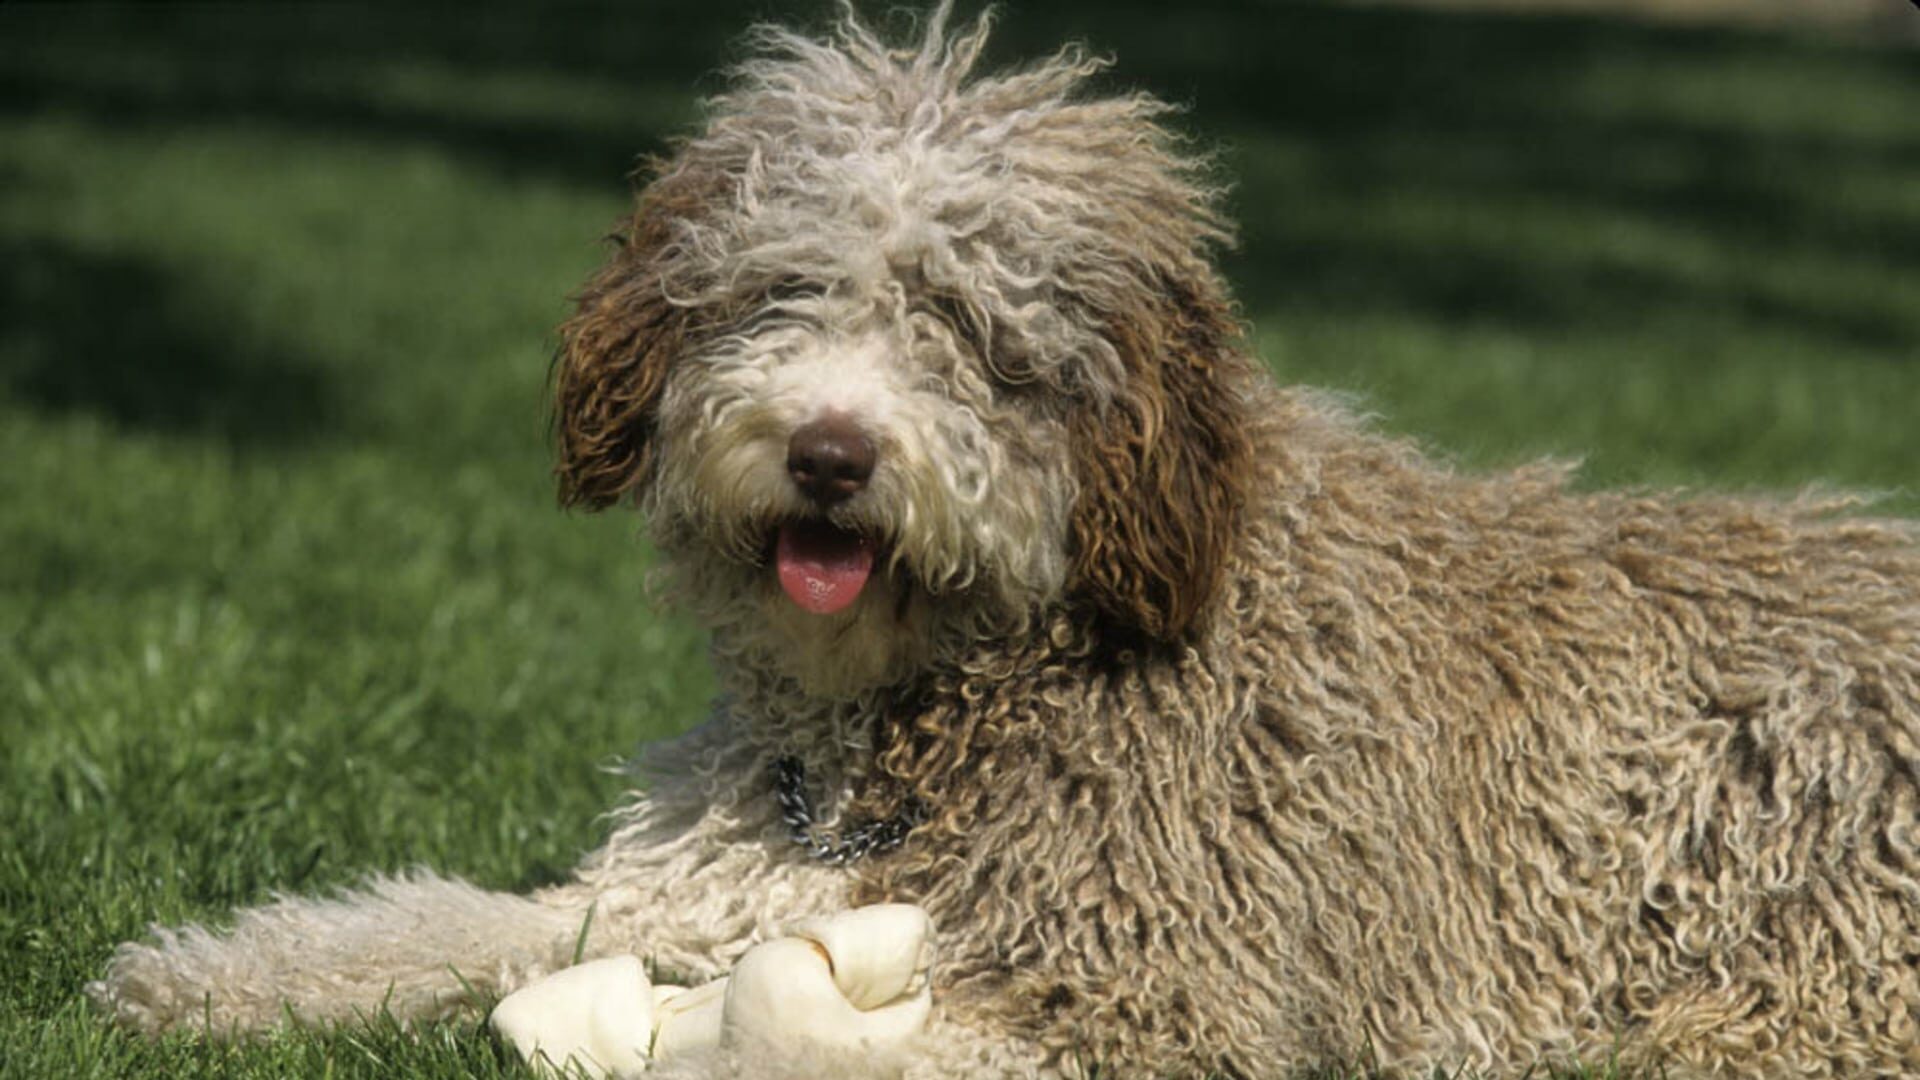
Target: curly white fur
904,245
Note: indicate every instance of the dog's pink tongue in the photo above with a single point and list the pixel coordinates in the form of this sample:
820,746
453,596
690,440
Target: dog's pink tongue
823,568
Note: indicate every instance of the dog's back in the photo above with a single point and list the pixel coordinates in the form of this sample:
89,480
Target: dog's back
1463,768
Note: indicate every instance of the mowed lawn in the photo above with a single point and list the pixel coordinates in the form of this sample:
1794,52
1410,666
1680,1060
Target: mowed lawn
284,594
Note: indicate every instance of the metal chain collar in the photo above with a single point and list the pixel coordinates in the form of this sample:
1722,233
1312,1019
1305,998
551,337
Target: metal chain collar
867,838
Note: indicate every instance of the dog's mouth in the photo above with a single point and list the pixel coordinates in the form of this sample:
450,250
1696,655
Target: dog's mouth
822,567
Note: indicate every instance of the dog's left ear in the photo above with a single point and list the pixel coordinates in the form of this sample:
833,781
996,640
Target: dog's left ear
615,354
1163,466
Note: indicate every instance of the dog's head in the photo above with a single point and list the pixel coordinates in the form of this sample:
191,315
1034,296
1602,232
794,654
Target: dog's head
895,359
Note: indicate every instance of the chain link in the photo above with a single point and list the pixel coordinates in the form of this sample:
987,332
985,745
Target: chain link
867,838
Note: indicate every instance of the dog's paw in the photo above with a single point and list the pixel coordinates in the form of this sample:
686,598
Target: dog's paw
134,992
157,986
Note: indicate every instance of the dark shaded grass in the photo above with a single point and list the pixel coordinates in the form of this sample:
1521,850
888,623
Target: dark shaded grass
283,595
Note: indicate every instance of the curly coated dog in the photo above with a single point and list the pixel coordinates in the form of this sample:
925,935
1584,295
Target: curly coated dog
1217,731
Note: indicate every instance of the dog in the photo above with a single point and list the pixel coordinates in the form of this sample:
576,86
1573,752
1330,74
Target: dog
1217,731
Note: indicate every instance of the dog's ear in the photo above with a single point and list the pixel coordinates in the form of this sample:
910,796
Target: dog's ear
615,353
1163,466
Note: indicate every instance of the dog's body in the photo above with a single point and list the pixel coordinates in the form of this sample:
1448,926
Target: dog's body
1245,737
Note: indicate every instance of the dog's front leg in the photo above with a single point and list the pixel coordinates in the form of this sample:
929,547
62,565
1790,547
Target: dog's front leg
418,946
698,871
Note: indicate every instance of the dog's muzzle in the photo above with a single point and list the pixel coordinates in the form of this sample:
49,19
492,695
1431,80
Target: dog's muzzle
821,566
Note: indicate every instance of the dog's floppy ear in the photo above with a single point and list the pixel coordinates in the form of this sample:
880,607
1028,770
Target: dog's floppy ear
1163,466
615,353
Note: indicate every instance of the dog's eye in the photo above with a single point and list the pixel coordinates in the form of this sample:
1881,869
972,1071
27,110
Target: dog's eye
966,324
793,287
997,360
786,298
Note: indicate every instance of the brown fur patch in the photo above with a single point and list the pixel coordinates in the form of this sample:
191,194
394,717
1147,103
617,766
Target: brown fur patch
1163,467
615,353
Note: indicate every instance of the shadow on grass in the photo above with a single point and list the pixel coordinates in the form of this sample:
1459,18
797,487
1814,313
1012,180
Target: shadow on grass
355,71
1742,145
1381,110
115,337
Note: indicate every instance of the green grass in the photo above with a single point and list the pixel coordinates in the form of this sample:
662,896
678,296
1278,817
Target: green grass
284,597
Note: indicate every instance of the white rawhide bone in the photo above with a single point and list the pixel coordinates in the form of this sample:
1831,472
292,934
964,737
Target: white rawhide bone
687,1019
877,951
856,981
596,1018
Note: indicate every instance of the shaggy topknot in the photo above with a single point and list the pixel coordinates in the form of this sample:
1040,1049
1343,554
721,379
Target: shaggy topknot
1251,738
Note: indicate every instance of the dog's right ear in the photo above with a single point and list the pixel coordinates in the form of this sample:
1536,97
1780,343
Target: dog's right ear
614,356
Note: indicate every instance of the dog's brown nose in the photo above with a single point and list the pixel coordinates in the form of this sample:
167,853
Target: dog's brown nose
830,459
